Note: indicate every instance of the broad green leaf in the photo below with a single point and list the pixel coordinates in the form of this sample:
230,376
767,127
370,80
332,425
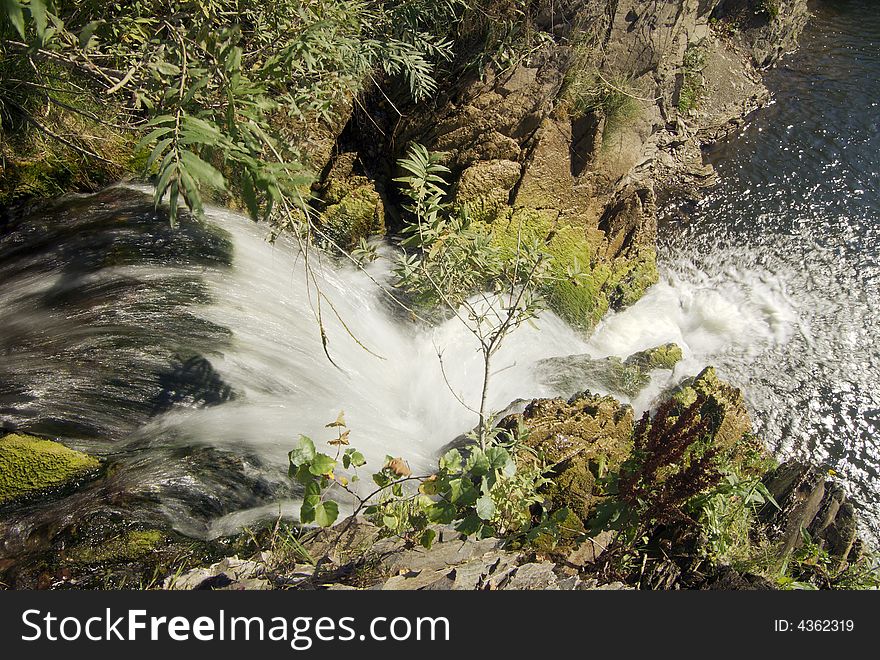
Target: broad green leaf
469,525
326,513
441,512
485,507
499,458
322,465
307,510
477,463
304,452
451,461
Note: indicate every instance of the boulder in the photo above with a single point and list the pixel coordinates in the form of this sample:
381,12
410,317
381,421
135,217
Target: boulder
30,465
623,377
581,438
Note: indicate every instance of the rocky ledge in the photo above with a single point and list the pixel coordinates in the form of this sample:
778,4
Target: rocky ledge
686,497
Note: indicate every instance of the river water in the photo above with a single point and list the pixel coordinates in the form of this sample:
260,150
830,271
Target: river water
775,278
191,359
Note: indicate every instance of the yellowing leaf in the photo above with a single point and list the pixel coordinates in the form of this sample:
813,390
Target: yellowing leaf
399,467
340,420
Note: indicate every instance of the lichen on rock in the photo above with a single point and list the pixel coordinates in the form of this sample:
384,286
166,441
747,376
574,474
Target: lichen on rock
613,374
353,208
29,465
581,438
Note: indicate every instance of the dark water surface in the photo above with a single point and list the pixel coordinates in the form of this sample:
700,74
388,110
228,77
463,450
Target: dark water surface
793,230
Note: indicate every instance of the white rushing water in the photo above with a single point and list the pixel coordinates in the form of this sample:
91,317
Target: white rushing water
397,399
99,352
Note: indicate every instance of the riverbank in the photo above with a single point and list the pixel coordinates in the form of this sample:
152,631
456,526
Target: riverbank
581,140
739,521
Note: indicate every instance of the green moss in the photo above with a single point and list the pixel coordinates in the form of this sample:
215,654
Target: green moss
582,439
665,356
129,546
484,188
29,465
583,286
692,86
358,214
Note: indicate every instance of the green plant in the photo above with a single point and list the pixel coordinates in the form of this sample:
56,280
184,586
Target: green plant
727,516
480,491
692,86
218,90
451,262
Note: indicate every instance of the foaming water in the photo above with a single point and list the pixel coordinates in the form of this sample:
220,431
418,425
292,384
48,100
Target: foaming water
193,358
774,278
383,370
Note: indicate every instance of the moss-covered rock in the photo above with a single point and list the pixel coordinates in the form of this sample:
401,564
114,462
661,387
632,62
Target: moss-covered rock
583,283
723,404
484,188
627,377
582,439
29,465
128,546
353,209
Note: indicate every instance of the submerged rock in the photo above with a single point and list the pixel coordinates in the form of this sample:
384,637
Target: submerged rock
29,465
627,377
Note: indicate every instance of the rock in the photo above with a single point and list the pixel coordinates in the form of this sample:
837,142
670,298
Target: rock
484,188
623,377
29,465
348,541
581,436
723,404
231,574
354,209
809,502
590,550
534,576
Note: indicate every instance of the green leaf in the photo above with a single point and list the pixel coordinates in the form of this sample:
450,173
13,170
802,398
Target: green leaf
499,458
203,172
307,510
477,464
166,68
15,15
38,13
462,492
357,459
391,522
303,453
322,465
451,461
326,513
381,480
442,513
249,193
469,525
427,538
87,33
485,507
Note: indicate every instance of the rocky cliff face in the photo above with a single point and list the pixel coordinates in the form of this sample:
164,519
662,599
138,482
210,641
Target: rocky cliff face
603,115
